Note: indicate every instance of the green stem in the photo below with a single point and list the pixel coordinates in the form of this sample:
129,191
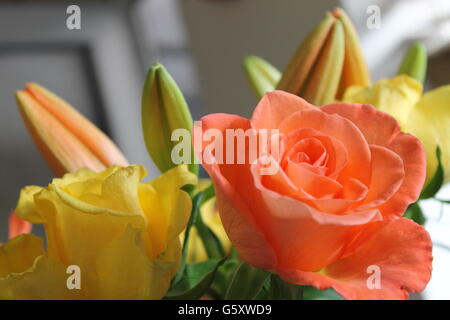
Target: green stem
197,201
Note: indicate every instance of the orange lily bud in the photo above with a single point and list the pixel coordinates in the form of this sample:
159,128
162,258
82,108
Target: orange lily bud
328,61
301,64
323,84
67,140
355,71
17,226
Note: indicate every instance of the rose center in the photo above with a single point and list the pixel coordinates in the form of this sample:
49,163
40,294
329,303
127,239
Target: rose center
309,151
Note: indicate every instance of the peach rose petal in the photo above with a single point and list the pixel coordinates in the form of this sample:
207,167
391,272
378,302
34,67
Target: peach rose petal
340,128
353,189
387,176
301,235
378,128
274,107
410,149
401,250
382,129
286,207
280,183
352,192
241,227
233,183
337,154
319,186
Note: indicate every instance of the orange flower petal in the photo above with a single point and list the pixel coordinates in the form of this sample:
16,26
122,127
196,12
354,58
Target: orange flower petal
241,227
358,153
401,250
335,148
318,186
410,149
279,182
352,191
377,127
274,107
301,235
232,184
382,129
386,176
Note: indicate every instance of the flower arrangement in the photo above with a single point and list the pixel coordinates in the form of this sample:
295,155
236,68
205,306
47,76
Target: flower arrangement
315,196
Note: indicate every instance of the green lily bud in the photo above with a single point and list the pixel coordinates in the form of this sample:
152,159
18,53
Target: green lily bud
414,63
263,76
164,110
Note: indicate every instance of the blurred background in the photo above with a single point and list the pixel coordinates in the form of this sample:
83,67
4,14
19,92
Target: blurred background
101,67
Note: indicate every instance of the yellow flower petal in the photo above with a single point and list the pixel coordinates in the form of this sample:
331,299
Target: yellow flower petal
196,249
133,276
430,122
26,273
121,233
92,216
26,205
396,96
45,279
18,254
166,206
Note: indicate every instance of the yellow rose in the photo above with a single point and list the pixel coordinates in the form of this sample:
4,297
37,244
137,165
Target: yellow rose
425,116
122,234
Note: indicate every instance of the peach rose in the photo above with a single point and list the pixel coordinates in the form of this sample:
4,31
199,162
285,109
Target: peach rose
332,212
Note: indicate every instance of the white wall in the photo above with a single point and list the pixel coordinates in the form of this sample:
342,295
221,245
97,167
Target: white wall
223,32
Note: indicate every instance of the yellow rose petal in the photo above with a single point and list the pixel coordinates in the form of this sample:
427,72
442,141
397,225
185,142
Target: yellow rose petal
125,272
121,233
167,207
19,253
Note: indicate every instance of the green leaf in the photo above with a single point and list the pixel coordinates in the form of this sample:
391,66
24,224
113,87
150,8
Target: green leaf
414,63
414,212
263,294
222,280
443,201
201,276
263,76
437,181
311,293
198,200
193,274
246,283
282,290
